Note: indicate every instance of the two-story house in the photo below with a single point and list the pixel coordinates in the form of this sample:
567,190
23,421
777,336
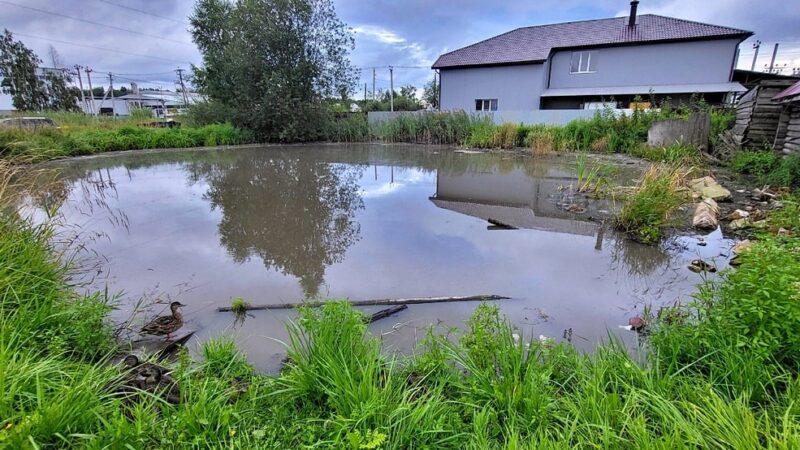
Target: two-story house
577,65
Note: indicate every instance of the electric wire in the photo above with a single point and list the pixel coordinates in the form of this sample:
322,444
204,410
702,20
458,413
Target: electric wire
113,27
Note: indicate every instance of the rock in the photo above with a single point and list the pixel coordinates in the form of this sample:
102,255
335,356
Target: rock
761,224
706,215
698,265
777,205
742,246
735,261
738,214
784,232
707,187
757,215
748,208
701,242
636,323
739,224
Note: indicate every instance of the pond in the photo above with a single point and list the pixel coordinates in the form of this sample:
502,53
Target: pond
286,223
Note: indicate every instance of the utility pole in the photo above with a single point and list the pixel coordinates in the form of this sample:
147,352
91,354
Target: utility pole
373,84
183,87
91,91
756,45
391,88
111,89
365,93
774,54
80,86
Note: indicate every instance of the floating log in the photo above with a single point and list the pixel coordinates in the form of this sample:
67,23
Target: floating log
384,313
385,301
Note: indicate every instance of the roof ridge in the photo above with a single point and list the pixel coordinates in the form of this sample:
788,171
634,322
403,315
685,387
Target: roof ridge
573,21
699,23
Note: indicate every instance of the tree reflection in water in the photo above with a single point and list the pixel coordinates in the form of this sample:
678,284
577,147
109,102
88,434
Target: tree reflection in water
296,214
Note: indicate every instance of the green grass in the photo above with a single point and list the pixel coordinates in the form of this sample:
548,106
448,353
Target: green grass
768,167
718,372
648,208
84,135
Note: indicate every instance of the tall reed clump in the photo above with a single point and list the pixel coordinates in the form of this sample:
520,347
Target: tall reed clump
350,128
649,207
426,128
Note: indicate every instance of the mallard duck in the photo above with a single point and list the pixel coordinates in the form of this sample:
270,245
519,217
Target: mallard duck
166,325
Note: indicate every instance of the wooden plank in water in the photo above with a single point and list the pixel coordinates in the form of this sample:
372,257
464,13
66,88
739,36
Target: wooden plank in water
385,301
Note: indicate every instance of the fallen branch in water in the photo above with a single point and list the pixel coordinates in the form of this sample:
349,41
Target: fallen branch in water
382,314
386,301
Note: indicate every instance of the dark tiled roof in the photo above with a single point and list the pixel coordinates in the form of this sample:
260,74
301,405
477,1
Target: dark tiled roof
532,44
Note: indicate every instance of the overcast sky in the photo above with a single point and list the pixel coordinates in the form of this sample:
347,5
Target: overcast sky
403,33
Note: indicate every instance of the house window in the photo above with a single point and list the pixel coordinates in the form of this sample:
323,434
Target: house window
486,104
584,62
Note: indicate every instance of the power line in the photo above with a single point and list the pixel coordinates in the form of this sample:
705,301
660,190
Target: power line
43,11
141,11
100,48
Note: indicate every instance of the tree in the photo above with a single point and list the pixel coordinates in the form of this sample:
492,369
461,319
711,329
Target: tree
430,95
61,97
272,63
18,66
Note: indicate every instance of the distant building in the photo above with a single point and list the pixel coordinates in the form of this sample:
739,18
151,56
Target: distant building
593,63
163,103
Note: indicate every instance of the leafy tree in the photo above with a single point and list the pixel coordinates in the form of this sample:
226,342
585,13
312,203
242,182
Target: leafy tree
430,94
273,62
18,66
61,97
408,91
405,100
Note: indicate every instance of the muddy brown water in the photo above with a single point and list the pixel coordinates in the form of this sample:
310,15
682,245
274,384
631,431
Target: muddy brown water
282,224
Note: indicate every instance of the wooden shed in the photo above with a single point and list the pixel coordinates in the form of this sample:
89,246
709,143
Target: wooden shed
789,122
758,117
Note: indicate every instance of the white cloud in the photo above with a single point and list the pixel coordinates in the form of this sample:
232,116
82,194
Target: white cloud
379,34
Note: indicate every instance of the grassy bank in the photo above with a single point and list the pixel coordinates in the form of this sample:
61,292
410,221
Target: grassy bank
605,132
79,134
720,372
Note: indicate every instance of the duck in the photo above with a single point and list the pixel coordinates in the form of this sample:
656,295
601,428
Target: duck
150,378
166,325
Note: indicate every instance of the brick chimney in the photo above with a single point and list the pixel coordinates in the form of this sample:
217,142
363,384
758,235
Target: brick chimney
632,19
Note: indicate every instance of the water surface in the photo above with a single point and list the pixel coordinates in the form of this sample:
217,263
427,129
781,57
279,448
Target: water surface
282,224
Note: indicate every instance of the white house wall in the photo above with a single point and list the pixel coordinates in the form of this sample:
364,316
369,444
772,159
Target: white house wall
697,62
515,87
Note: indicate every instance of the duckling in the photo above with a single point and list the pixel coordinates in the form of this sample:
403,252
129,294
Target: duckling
166,325
151,378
